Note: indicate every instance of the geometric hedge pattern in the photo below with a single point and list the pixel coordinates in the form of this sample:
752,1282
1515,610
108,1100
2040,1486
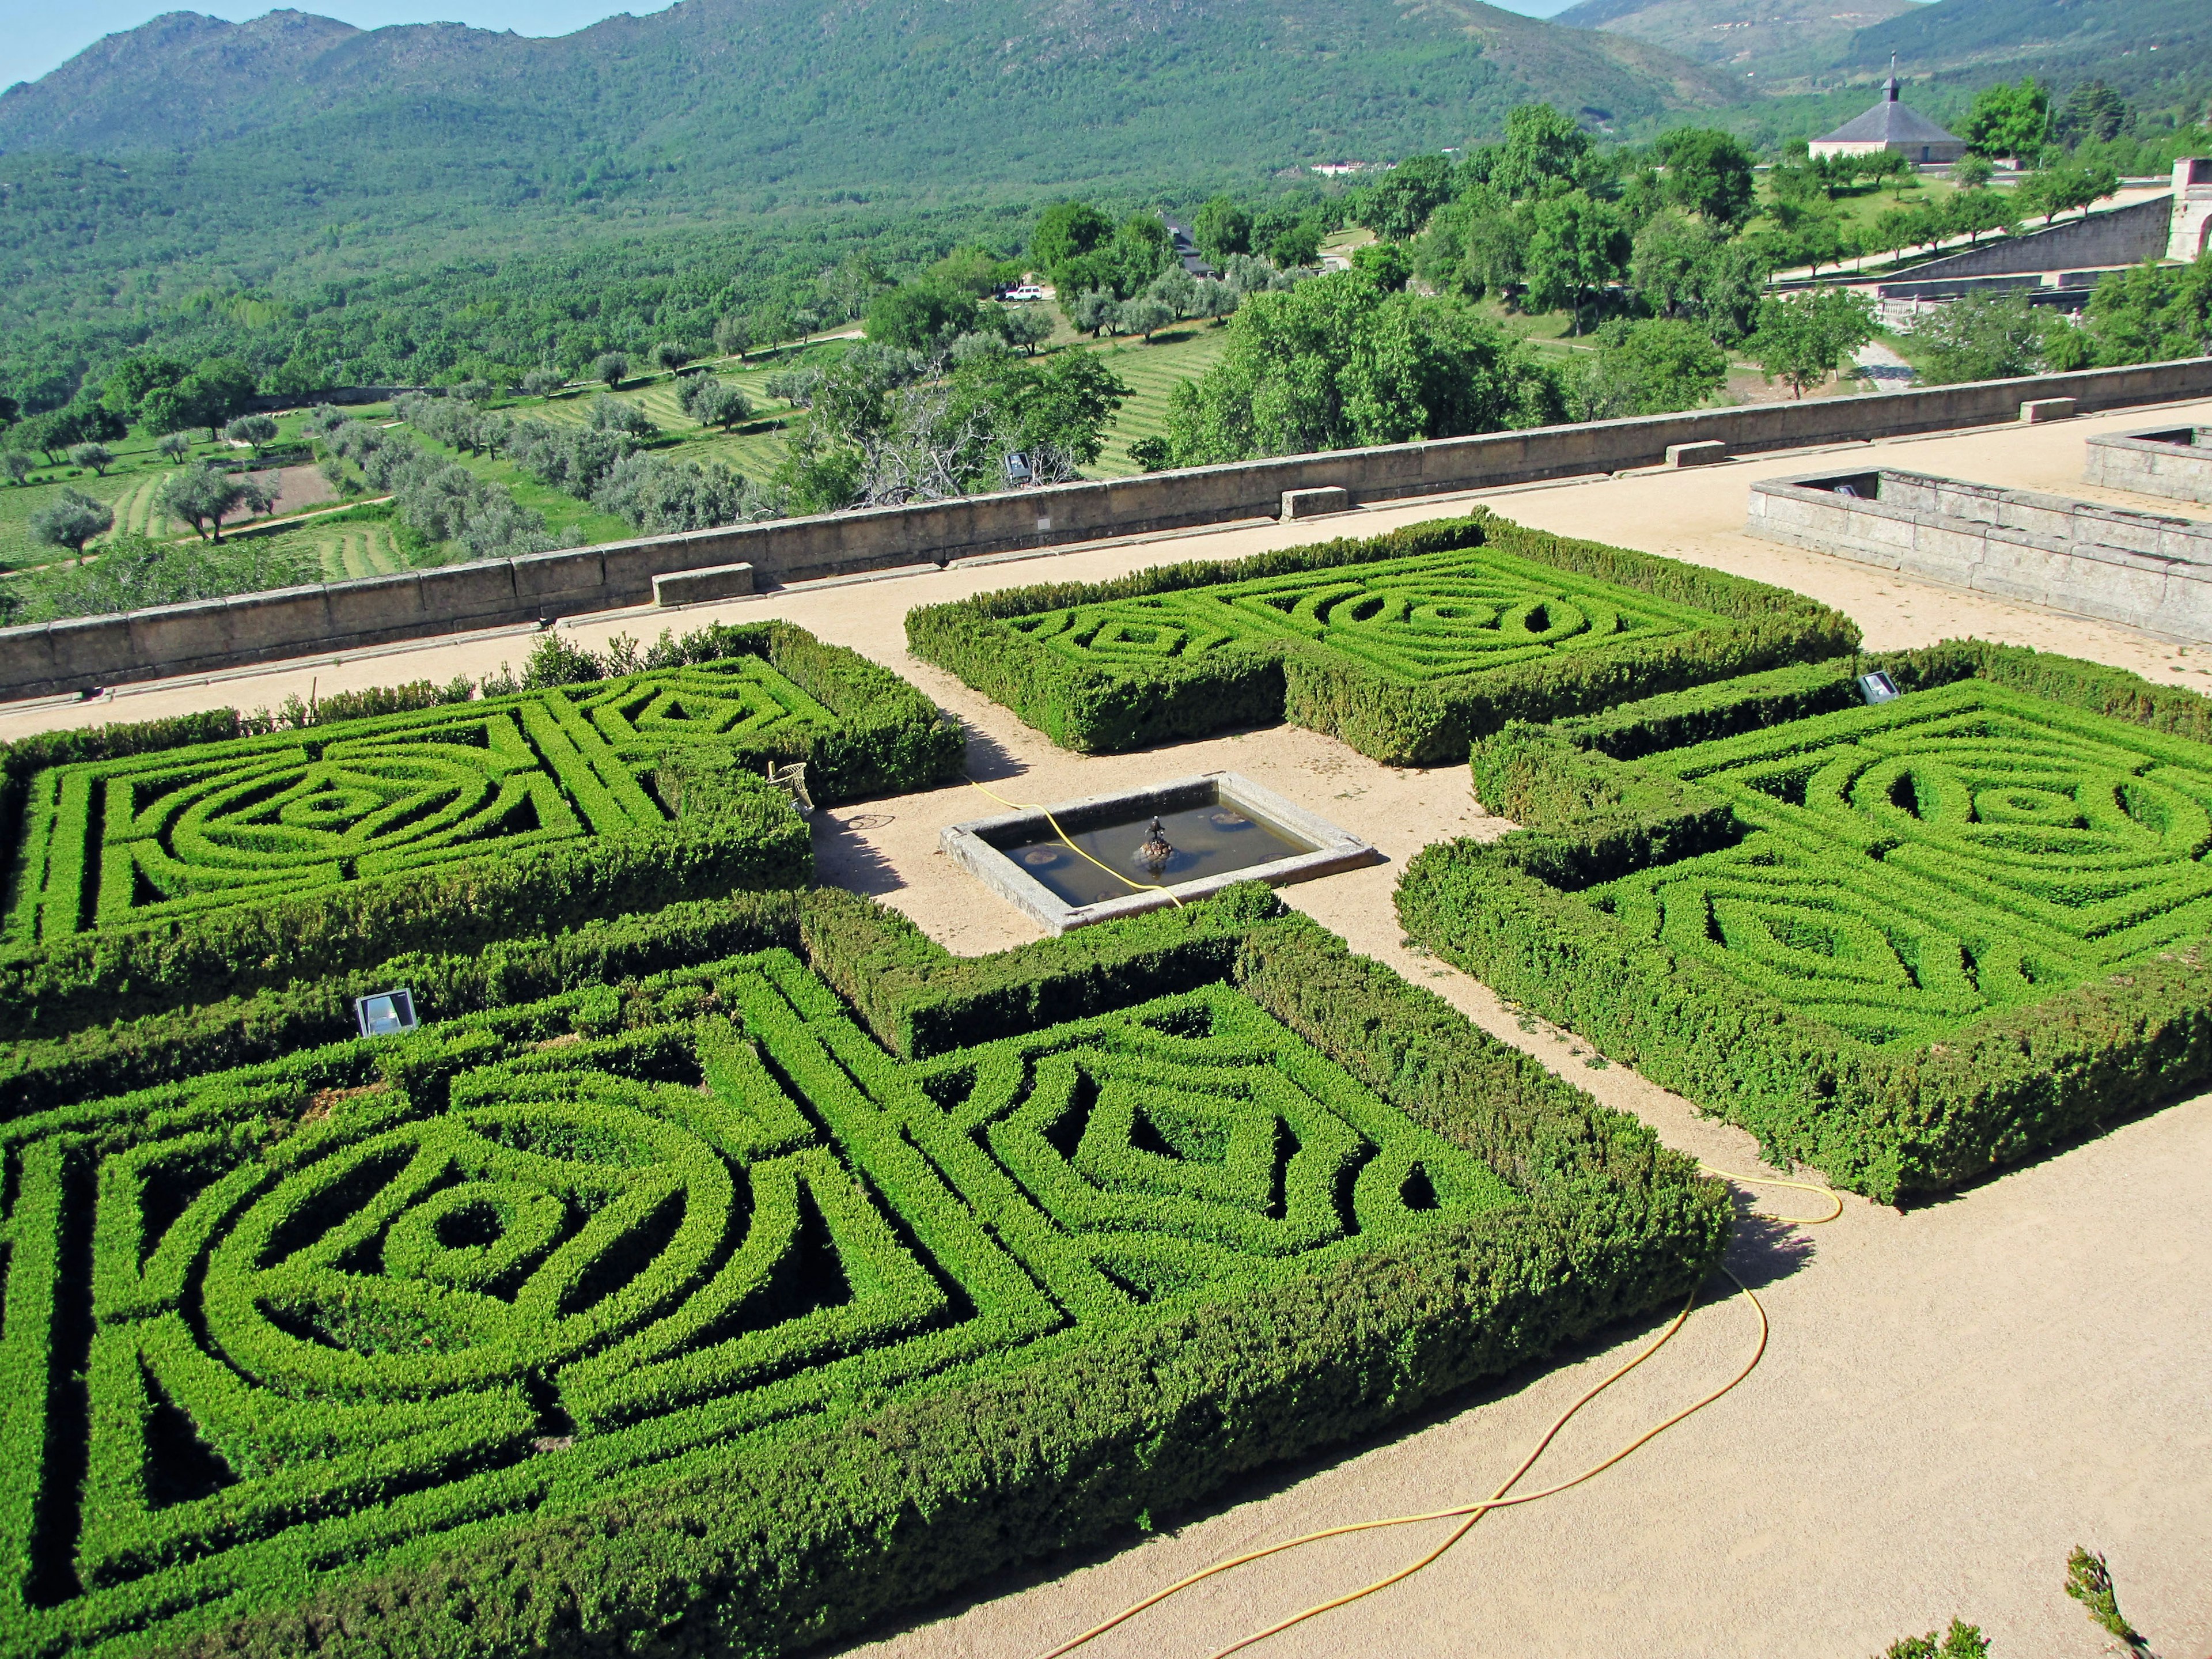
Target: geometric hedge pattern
1425,617
275,1323
148,837
1913,866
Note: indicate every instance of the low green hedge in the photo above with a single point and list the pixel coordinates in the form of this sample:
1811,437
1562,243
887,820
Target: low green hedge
1558,915
661,1445
1374,641
758,840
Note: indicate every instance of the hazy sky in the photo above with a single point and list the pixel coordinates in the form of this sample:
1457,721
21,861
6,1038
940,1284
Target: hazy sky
35,35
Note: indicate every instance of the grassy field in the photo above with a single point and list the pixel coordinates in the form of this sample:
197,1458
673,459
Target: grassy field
1182,353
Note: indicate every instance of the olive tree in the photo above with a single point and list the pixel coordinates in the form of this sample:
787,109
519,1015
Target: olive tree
177,445
610,367
72,519
97,457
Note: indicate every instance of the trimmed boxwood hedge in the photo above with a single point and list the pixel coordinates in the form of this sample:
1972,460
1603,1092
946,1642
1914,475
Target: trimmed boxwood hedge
1907,944
1407,645
426,1345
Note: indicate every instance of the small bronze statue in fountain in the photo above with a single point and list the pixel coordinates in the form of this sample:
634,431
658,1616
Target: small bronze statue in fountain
1156,851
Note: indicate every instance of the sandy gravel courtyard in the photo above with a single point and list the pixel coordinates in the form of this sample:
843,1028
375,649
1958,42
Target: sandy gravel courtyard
1951,1396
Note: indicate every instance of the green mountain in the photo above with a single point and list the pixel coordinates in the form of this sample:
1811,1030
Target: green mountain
2157,52
733,94
1752,38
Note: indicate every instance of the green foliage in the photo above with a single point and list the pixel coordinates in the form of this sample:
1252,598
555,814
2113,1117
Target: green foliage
1961,1641
1708,173
1543,153
2150,313
2089,1581
1406,645
691,1301
1987,336
1400,206
1651,367
72,519
1906,944
1576,247
1337,362
1802,341
1222,227
2009,120
920,316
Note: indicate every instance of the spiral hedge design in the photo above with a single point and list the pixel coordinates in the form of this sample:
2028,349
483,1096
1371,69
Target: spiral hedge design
1411,619
152,837
1914,865
356,1300
1908,942
1406,645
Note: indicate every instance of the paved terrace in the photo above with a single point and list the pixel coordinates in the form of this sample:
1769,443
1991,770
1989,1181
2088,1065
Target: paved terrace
1952,1397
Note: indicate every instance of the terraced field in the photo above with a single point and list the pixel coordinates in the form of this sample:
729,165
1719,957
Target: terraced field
1152,372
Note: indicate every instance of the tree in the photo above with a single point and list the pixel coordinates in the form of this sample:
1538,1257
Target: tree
2009,120
217,389
1974,213
202,496
1388,262
733,337
2151,314
176,446
1142,249
610,368
2093,110
1709,173
126,386
543,382
1337,362
1028,326
607,414
1575,248
1543,152
70,520
1972,172
1400,206
16,465
1222,227
258,430
672,354
712,401
1651,367
1984,337
1664,261
48,434
1287,238
1067,231
1803,341
976,271
2065,189
1090,311
98,457
1144,315
919,316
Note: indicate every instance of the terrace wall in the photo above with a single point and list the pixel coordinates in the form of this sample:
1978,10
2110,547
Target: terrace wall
217,633
2139,569
2176,463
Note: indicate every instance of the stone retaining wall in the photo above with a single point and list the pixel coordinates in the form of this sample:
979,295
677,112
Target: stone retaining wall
2140,569
215,634
2177,462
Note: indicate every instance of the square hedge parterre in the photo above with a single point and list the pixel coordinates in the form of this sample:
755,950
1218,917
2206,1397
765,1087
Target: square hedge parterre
1405,645
408,1335
1906,942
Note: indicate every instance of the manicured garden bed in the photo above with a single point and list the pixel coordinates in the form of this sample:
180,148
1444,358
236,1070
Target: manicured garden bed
1907,943
202,857
1407,645
713,1310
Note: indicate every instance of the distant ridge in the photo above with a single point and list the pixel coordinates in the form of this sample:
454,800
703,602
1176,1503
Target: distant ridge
868,90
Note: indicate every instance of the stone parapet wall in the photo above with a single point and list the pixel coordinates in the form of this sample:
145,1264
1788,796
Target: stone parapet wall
2176,462
2138,569
218,633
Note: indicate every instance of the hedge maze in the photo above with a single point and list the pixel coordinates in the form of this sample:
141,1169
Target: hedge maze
518,1316
1406,644
1907,942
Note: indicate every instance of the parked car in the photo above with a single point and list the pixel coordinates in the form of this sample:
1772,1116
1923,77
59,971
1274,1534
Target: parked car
1024,291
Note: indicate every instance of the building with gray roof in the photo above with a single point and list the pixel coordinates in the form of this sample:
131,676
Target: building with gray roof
1890,125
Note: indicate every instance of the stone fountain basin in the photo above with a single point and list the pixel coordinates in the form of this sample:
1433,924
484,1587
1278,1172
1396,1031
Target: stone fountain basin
1292,845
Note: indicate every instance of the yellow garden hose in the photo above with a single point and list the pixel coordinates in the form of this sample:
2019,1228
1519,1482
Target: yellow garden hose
1468,1513
1140,886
